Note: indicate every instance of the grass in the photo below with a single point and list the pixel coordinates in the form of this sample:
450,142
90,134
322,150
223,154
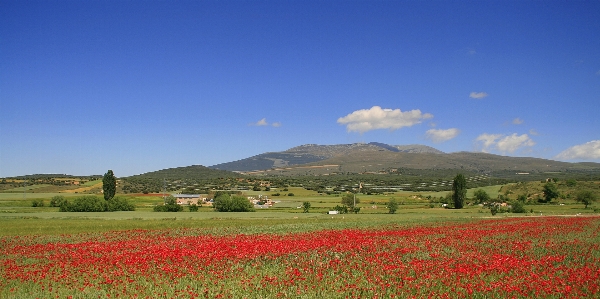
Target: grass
54,223
27,188
18,217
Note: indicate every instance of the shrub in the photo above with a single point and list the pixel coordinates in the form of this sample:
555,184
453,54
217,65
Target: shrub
169,206
88,203
517,207
193,207
37,203
392,206
290,194
91,203
119,204
341,209
305,206
494,210
57,201
227,203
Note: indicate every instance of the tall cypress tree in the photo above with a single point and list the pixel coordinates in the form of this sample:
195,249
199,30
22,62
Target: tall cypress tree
459,191
109,185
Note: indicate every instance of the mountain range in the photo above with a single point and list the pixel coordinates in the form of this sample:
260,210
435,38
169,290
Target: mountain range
374,157
313,153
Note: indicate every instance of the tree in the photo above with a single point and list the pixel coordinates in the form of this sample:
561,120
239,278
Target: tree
228,203
459,191
341,209
481,196
169,206
586,197
305,206
57,201
517,207
350,200
550,192
109,185
392,206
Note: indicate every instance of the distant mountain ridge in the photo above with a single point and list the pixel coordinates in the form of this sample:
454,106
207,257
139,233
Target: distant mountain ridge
311,153
375,157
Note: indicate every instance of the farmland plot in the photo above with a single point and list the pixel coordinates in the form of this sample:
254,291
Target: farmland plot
549,257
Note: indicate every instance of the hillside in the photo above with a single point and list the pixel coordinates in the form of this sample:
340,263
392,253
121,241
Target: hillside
311,153
193,171
383,161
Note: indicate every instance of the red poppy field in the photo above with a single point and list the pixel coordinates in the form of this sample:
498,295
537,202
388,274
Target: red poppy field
548,257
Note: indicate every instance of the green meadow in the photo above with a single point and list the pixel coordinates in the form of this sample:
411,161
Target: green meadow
18,217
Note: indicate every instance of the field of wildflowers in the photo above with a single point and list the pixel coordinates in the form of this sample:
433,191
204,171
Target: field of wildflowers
549,257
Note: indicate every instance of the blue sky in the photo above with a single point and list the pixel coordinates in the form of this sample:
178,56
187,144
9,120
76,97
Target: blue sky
138,86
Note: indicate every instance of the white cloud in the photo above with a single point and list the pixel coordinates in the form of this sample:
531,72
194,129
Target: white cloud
513,142
517,121
377,118
488,140
503,143
263,122
478,95
533,132
588,150
439,135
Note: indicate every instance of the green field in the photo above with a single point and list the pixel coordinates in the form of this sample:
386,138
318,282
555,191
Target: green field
18,217
246,254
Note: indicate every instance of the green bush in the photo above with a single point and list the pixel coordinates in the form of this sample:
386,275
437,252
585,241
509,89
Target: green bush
169,206
227,203
392,206
517,207
494,209
119,204
91,203
88,203
341,209
57,201
37,203
193,207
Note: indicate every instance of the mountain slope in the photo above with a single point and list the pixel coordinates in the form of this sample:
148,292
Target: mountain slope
195,171
428,164
380,158
311,153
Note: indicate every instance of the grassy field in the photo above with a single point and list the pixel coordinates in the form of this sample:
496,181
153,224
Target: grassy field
312,256
18,217
423,250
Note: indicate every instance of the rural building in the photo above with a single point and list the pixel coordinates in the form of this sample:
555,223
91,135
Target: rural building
188,199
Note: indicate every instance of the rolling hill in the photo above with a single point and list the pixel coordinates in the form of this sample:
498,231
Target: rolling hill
193,171
379,158
311,153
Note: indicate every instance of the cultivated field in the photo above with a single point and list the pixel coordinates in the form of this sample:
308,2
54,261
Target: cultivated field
524,257
424,250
